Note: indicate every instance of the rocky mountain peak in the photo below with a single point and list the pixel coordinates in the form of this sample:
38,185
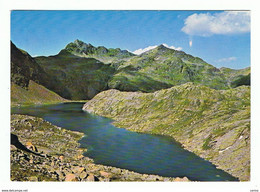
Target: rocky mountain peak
79,47
161,47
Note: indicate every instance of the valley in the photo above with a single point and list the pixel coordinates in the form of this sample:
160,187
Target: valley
162,91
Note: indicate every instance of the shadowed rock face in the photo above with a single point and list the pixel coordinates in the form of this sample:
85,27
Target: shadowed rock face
15,141
82,77
25,69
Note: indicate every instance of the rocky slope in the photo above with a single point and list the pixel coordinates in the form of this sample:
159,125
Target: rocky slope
29,80
24,68
82,77
41,151
100,53
238,77
214,124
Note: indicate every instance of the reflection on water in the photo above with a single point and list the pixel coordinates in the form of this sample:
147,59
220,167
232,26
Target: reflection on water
117,147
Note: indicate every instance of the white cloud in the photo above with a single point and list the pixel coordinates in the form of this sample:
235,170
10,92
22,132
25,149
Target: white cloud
172,47
140,51
227,22
224,60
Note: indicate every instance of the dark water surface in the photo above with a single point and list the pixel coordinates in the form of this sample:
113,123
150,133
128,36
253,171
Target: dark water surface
143,153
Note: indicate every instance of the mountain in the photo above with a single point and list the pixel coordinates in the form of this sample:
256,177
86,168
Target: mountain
167,66
81,70
162,91
214,124
101,53
27,78
82,77
24,68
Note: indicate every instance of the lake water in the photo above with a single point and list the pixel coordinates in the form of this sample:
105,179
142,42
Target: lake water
143,153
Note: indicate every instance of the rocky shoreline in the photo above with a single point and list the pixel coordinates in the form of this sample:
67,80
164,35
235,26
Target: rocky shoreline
54,154
213,124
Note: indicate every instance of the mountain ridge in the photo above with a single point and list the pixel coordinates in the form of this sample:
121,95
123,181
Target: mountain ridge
101,53
76,76
83,77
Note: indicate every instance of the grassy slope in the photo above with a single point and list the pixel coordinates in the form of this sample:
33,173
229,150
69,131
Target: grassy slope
82,77
81,74
214,124
167,67
237,77
35,94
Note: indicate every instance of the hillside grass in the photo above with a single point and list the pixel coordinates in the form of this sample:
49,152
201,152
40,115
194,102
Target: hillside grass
214,124
34,94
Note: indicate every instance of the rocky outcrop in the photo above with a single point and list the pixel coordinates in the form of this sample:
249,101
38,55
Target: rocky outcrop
100,53
214,124
29,82
60,156
24,68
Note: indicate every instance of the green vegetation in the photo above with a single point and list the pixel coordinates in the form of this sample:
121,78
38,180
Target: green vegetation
80,71
167,67
204,108
237,78
206,145
27,80
211,123
241,80
34,94
82,77
100,53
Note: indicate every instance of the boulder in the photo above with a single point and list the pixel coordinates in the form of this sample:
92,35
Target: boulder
13,148
178,179
104,174
71,177
33,178
60,174
61,158
80,157
83,175
78,169
30,146
92,177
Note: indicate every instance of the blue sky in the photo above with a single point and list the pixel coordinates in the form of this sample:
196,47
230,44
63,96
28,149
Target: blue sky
220,38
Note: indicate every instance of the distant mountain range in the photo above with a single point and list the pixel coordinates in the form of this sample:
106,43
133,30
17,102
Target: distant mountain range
81,70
